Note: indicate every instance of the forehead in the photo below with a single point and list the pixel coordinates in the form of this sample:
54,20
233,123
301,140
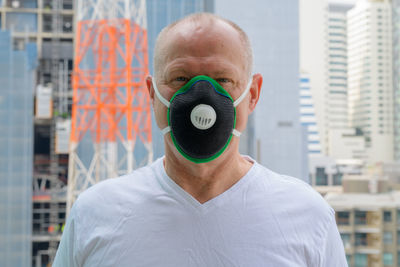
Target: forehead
204,39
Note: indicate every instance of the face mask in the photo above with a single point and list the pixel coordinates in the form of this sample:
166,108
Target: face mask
201,118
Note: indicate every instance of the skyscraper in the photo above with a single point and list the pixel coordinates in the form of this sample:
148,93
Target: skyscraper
307,117
370,84
337,67
16,151
272,27
313,57
396,75
159,15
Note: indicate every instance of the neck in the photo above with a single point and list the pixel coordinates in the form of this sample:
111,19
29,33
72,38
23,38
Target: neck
205,181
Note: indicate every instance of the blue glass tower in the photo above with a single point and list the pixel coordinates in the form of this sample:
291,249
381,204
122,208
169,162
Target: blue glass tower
159,15
16,145
275,137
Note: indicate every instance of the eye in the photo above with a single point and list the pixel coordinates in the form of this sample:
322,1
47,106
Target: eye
177,82
222,80
181,79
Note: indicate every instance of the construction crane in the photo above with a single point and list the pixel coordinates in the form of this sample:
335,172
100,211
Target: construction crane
111,119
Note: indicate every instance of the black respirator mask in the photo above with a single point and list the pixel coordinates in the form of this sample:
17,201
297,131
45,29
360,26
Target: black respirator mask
201,118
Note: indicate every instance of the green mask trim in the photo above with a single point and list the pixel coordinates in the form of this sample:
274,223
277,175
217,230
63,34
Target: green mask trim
221,91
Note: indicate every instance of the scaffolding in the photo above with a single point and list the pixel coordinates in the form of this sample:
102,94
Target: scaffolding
111,120
54,37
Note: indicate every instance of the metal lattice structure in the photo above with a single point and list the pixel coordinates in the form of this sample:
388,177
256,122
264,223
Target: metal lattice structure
111,106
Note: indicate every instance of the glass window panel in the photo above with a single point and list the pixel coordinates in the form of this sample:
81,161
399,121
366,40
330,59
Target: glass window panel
361,239
360,260
343,218
346,240
387,216
387,238
360,217
387,259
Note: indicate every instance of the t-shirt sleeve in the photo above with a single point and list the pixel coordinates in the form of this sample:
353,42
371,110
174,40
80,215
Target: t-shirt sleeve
66,250
334,253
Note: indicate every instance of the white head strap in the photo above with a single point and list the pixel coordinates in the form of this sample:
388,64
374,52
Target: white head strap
160,97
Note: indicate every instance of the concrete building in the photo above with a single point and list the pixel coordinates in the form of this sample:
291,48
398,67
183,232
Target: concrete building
346,144
326,171
370,80
336,93
313,20
368,218
308,118
272,27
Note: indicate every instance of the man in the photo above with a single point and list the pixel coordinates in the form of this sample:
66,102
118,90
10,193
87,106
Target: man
203,204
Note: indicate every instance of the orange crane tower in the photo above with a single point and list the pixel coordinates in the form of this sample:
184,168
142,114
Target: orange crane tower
111,119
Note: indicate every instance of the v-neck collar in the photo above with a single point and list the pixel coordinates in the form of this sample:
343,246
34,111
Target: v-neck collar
217,201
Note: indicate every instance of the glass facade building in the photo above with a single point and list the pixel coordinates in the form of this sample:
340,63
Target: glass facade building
16,151
159,15
277,140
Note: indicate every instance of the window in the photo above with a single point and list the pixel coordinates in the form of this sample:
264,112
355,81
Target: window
360,217
343,218
398,257
361,239
346,240
337,178
387,215
387,259
398,211
398,239
348,258
360,260
387,238
321,177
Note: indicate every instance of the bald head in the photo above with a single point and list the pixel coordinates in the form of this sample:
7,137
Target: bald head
208,19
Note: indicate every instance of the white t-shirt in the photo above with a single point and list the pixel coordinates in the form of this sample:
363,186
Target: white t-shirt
146,219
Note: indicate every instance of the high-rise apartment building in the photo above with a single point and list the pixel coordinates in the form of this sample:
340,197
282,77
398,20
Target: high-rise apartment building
336,94
368,219
313,60
370,81
307,117
272,27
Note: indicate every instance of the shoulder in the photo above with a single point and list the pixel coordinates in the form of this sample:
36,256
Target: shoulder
292,193
303,214
296,202
118,195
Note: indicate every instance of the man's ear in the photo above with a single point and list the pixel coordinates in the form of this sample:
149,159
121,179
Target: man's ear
255,91
150,88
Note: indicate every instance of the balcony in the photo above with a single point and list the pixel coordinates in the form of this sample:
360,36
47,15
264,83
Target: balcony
367,221
368,243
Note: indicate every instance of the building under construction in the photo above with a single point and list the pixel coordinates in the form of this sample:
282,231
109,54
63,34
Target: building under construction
49,30
49,25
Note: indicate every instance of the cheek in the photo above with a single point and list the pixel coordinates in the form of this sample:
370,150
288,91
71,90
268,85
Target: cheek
241,117
160,113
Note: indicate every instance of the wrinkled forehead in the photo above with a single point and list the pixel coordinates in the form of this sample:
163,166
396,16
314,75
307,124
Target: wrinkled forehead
203,29
203,38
